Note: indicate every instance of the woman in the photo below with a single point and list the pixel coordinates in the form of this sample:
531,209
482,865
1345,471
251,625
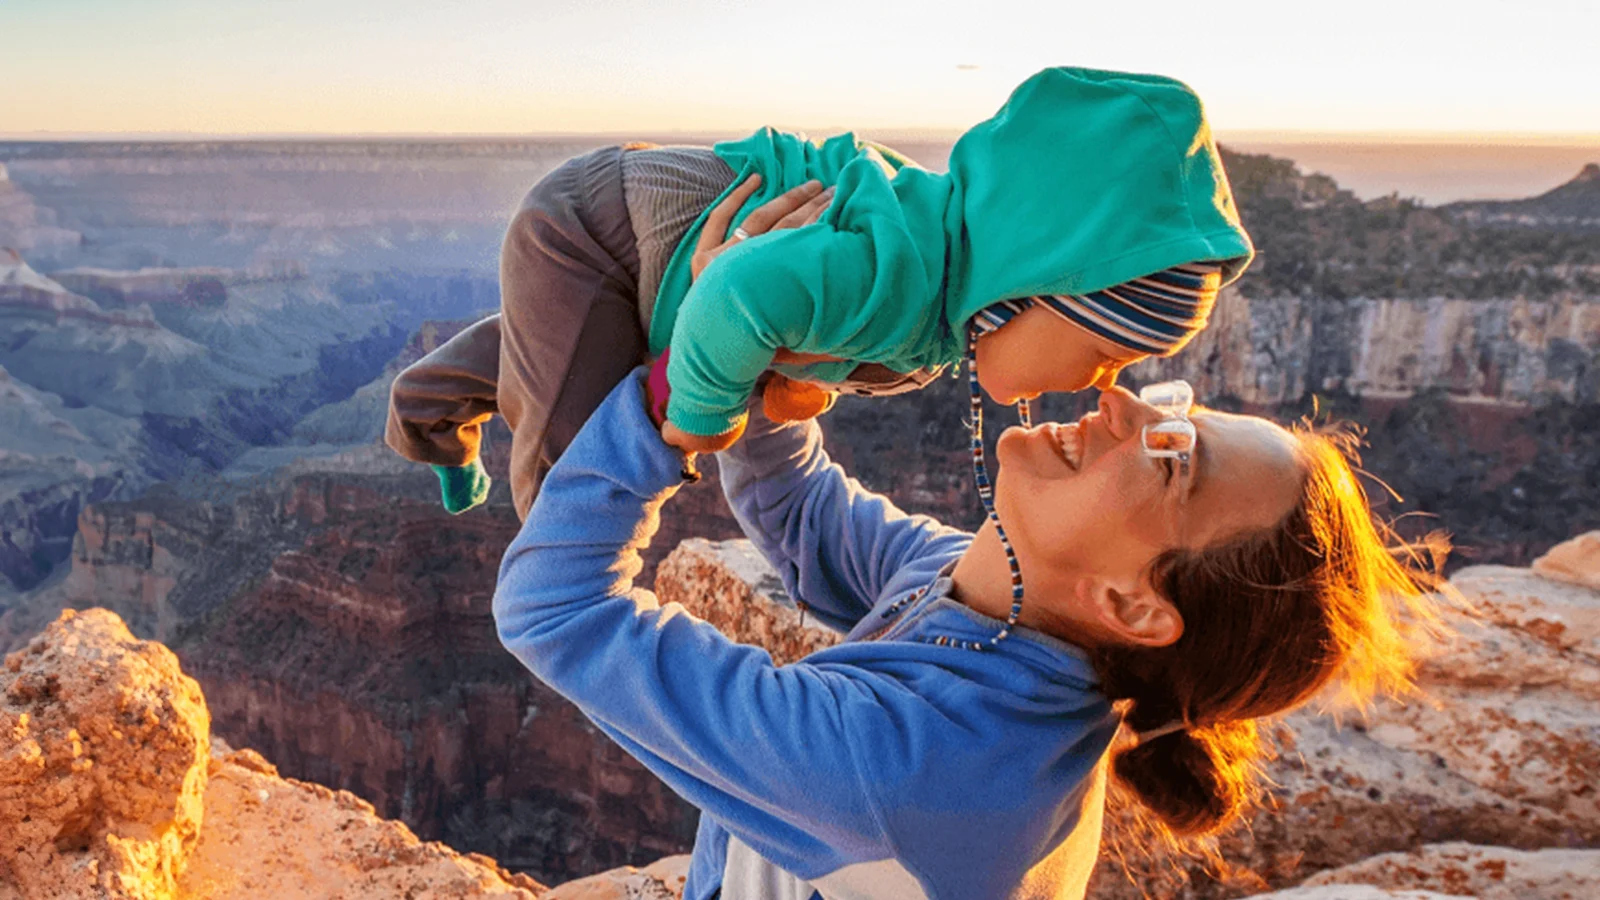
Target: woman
1205,591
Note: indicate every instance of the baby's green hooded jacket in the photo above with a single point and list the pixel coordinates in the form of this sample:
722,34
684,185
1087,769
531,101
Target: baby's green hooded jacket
1083,180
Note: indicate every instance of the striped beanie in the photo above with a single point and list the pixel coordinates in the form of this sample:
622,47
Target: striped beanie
1154,314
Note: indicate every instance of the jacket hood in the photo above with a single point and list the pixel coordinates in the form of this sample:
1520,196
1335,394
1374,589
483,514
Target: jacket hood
1083,180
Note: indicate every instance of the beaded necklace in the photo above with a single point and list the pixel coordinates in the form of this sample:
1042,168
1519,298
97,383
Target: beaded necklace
985,493
980,473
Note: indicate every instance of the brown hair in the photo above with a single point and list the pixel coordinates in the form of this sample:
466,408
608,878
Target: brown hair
1270,618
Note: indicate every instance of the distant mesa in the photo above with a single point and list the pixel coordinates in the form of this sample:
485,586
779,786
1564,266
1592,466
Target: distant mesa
24,291
204,288
1573,205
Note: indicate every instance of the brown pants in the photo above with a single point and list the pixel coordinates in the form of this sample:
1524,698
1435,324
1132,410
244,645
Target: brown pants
569,272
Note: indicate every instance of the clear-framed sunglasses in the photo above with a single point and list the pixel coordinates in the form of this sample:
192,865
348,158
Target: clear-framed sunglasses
1174,436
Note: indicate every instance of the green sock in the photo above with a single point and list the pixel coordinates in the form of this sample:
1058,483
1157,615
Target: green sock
462,487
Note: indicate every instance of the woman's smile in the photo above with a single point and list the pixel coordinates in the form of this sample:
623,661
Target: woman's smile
1067,438
1067,441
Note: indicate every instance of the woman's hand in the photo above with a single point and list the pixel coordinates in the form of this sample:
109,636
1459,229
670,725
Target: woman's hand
793,209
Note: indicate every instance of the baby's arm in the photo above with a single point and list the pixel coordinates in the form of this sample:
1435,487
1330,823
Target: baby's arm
795,208
737,319
857,292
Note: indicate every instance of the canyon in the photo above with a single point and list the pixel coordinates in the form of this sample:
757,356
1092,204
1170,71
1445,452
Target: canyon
339,624
192,397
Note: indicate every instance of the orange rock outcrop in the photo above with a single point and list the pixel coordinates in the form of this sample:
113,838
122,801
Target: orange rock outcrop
102,765
108,789
267,836
1576,561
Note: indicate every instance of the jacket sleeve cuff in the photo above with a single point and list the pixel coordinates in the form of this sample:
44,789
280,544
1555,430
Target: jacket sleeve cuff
623,443
701,423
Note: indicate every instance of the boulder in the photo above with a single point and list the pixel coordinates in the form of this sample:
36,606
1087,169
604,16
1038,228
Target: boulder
661,880
110,787
1576,561
103,766
1468,870
730,585
268,836
1355,892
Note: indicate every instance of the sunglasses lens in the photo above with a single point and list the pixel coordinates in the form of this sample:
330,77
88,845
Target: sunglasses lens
1170,438
1171,397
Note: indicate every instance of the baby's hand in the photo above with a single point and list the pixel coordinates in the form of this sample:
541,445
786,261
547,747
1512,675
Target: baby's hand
787,400
698,443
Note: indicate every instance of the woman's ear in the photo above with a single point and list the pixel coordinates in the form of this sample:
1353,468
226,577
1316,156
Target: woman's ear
1138,617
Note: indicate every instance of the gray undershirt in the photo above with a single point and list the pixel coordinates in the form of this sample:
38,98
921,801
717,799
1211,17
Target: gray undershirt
666,189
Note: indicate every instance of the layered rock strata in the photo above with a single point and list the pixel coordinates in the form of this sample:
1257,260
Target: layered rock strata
340,624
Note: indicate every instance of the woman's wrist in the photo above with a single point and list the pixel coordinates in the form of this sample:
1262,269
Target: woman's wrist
657,391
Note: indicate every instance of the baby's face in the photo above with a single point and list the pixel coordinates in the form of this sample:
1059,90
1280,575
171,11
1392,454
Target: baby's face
1040,352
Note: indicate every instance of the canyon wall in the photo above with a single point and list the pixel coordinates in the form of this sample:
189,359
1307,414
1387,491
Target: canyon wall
1265,352
340,624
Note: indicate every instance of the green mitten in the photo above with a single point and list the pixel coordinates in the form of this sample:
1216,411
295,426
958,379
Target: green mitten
462,487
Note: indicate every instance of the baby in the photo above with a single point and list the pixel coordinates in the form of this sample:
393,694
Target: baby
1084,227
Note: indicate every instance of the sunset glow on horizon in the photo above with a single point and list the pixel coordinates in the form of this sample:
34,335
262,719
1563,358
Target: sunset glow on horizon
104,67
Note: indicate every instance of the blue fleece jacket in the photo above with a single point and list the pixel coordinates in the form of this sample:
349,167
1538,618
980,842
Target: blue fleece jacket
884,767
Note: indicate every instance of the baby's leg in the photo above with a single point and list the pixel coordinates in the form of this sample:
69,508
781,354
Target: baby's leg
438,404
569,312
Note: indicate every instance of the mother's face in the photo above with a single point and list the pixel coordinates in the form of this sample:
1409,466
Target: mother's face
1082,499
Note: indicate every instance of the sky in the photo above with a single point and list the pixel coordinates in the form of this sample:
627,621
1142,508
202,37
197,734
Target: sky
99,67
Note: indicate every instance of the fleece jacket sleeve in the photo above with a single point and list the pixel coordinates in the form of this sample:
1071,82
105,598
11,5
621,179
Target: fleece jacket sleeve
763,749
835,544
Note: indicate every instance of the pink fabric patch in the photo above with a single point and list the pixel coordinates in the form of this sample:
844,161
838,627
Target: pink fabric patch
657,389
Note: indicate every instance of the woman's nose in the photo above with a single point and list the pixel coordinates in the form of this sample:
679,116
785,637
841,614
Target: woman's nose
1125,413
